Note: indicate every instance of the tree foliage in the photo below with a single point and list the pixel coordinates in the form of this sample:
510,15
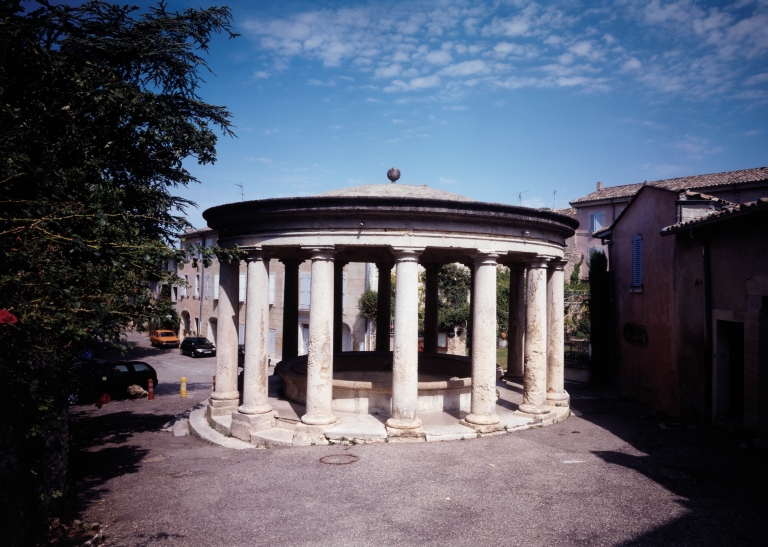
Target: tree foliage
454,281
99,107
502,299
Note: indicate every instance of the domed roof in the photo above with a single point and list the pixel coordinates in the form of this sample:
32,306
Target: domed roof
406,191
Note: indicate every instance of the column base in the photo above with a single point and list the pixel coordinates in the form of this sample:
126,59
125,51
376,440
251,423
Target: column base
411,433
481,419
226,396
403,423
244,425
220,408
561,399
533,410
513,377
255,409
318,419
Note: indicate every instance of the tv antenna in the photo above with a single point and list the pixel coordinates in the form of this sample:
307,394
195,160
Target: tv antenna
242,195
520,196
554,197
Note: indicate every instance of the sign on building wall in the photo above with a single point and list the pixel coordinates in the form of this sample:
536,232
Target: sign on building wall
636,334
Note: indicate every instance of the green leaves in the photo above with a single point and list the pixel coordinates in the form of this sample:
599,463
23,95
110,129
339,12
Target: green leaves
99,107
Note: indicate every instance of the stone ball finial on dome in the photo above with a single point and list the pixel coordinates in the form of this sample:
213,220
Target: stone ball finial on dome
393,174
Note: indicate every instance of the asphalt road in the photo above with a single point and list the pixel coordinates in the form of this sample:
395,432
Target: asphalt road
608,477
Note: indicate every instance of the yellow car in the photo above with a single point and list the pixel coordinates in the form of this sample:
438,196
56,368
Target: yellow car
163,339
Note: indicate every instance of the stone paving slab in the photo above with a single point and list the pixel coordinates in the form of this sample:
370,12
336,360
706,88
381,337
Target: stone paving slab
357,426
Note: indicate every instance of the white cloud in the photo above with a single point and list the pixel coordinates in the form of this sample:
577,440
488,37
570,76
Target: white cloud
414,84
440,57
448,181
670,47
466,68
631,64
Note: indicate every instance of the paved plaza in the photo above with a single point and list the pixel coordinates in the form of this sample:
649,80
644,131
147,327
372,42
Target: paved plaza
607,476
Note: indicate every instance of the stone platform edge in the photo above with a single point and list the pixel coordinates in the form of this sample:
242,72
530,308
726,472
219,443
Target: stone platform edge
201,428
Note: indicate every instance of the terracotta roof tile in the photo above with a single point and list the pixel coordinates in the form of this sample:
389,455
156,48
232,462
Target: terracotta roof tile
569,212
718,215
680,184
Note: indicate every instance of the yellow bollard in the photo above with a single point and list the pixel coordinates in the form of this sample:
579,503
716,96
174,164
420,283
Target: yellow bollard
183,387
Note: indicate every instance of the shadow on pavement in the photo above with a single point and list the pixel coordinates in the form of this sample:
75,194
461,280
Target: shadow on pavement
720,485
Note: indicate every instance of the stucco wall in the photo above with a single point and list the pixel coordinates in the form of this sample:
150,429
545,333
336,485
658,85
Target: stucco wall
692,355
739,292
648,373
583,238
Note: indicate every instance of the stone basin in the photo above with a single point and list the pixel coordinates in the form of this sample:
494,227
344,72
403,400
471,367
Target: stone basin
362,382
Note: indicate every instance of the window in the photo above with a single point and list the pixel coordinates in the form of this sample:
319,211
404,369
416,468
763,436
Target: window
242,288
185,290
306,281
637,261
272,339
140,367
596,222
208,286
343,292
241,334
197,286
216,287
271,289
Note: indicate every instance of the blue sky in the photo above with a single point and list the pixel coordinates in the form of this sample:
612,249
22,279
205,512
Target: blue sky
486,99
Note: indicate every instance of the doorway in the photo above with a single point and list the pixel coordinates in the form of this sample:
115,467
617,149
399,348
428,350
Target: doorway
730,371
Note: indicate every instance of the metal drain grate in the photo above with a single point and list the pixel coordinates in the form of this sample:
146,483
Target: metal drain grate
339,459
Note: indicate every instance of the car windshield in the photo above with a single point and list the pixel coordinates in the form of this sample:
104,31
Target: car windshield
198,341
164,333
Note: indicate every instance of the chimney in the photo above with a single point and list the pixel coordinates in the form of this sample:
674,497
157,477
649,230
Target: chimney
599,185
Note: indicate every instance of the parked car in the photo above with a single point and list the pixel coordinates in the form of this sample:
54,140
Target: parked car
96,377
197,346
163,339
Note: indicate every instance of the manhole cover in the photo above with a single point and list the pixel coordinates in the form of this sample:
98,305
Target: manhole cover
339,459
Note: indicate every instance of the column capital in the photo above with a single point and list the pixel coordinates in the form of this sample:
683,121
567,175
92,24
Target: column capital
407,254
385,266
320,252
540,261
558,264
288,262
482,256
256,253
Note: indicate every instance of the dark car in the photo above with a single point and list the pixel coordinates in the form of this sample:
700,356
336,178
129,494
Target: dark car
96,377
197,346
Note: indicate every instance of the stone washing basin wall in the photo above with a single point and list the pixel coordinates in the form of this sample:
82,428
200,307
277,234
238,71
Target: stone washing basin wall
362,382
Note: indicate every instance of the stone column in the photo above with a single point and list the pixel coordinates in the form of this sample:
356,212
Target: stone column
470,323
291,309
338,295
556,394
255,413
383,306
431,307
405,358
483,411
320,356
516,330
225,396
255,400
535,374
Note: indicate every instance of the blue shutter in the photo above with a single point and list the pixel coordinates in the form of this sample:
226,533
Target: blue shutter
637,260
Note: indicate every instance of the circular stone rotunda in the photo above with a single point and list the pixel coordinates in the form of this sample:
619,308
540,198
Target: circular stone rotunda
384,396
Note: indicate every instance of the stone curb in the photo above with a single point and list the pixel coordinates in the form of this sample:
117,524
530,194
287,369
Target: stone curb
200,428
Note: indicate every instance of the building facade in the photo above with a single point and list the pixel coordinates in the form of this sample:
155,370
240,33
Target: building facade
600,209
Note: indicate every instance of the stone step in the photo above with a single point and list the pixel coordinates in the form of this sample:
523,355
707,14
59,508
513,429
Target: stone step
222,424
274,436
